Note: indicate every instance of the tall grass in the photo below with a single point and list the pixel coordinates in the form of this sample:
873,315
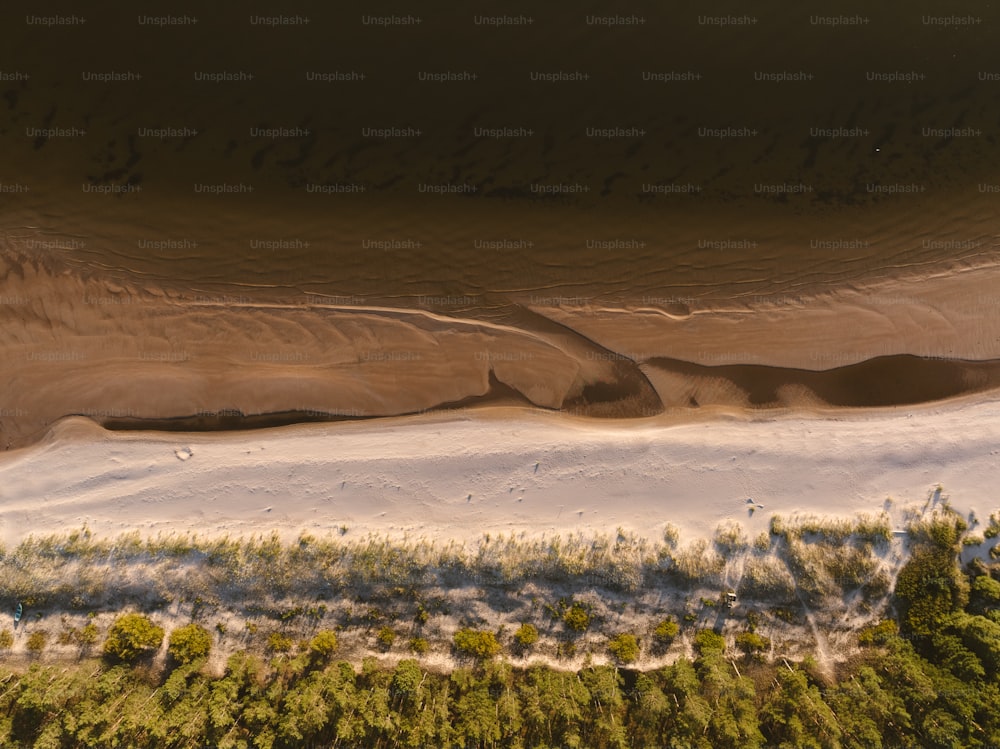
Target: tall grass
822,557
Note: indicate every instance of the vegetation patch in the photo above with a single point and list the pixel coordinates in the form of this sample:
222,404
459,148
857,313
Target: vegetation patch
925,672
624,648
189,643
132,635
478,644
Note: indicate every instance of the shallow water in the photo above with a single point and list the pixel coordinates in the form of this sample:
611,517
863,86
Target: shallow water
694,159
396,243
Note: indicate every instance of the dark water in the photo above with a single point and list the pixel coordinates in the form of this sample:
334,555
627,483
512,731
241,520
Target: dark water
819,181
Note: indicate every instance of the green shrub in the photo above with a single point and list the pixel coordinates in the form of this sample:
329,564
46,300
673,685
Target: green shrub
707,641
419,645
566,650
751,642
666,631
577,618
37,641
132,635
88,635
385,637
985,591
323,643
526,636
279,643
930,586
189,643
624,647
6,639
476,643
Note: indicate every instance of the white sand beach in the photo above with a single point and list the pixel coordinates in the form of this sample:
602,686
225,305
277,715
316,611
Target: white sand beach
501,470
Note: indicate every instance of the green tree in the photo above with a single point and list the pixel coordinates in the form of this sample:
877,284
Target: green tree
607,716
733,719
795,714
553,707
984,594
950,652
650,712
132,635
189,643
406,677
477,713
981,636
869,713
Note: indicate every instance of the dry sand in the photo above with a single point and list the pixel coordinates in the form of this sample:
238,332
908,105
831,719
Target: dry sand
500,470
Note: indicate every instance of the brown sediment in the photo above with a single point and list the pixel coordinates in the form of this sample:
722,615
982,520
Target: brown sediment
133,356
498,394
884,381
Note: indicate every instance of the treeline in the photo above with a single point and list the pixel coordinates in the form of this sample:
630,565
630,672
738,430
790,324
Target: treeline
930,677
892,698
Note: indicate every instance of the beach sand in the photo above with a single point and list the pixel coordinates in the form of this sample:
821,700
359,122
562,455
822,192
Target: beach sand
501,470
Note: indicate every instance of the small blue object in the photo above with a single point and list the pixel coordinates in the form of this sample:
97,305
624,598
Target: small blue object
18,610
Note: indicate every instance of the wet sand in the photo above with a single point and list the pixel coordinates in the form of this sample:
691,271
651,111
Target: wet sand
134,357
